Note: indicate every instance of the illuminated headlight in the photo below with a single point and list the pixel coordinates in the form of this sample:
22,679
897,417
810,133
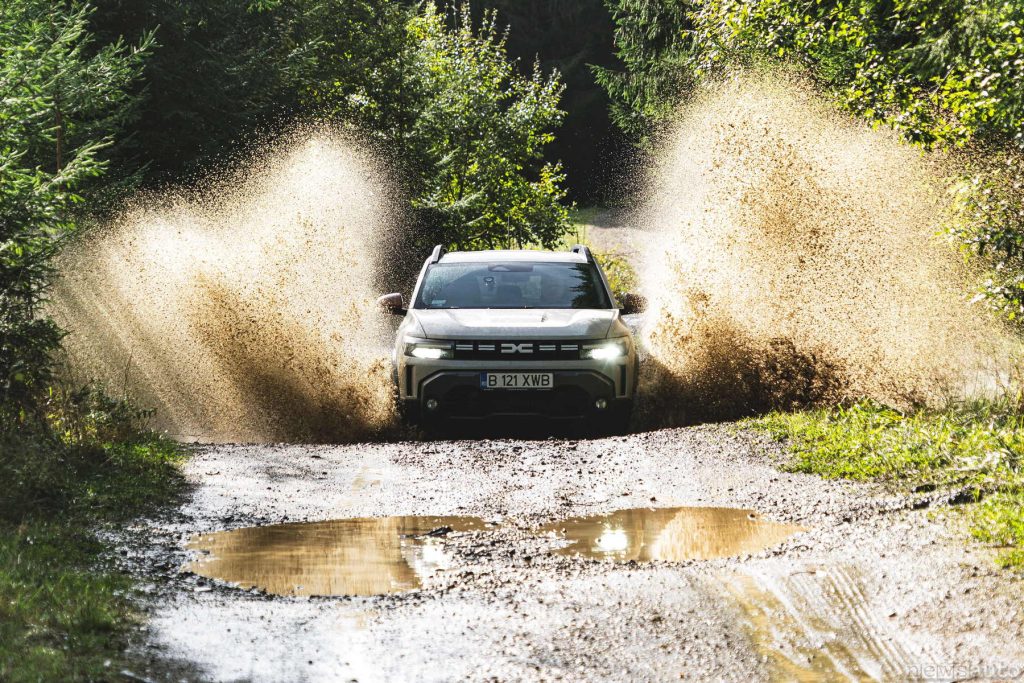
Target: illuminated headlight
609,350
427,349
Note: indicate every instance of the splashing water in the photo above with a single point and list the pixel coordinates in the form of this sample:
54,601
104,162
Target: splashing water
798,262
244,311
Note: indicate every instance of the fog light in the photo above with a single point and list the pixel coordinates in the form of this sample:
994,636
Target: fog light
601,404
432,404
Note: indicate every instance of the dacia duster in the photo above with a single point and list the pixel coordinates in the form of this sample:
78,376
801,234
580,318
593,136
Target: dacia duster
514,333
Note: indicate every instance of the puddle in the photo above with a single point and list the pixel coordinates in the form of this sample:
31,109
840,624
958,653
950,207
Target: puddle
373,556
684,533
342,557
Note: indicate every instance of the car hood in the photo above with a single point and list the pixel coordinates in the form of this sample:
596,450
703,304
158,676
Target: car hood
530,323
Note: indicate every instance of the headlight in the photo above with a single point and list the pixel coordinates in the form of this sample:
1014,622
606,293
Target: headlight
607,350
427,349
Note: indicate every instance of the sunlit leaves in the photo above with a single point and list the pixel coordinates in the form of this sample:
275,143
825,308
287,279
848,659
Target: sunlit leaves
483,126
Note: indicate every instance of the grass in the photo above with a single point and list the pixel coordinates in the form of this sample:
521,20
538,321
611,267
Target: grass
65,610
974,446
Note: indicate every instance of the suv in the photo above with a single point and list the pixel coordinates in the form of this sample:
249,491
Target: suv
514,333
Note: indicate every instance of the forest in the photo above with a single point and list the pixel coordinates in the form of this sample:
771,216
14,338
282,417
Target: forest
497,120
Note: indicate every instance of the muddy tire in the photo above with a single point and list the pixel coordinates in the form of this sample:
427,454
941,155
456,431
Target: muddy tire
616,422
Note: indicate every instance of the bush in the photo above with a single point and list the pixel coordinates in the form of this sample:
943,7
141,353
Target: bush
974,447
88,455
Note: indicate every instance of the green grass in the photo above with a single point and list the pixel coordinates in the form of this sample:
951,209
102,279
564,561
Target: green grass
62,615
65,610
975,446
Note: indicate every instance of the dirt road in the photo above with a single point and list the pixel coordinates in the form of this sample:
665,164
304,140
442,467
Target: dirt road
855,583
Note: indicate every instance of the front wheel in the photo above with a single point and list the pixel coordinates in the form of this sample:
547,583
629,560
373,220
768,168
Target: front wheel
614,422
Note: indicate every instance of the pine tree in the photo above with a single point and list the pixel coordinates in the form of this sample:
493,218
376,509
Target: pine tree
63,96
652,41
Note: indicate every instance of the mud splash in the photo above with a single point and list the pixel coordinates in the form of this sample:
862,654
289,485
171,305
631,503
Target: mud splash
243,311
673,534
798,263
370,556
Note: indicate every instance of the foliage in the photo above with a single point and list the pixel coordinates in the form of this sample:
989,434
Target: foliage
570,38
449,107
944,72
60,618
622,278
64,612
999,520
976,447
988,219
941,72
483,129
61,96
652,39
217,73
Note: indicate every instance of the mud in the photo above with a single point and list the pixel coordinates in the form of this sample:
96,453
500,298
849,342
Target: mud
795,258
874,588
242,309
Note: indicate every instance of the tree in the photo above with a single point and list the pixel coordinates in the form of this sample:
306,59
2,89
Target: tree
445,104
219,75
482,132
651,40
572,38
61,98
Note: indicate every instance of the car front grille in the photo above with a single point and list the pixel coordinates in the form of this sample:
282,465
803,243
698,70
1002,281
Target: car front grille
517,350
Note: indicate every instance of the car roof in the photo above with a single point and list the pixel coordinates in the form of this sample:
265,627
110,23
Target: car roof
512,255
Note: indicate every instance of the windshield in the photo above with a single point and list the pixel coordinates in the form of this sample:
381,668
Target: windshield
513,284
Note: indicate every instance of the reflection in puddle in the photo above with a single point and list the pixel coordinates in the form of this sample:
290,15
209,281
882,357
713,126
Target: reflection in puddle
670,534
373,556
342,557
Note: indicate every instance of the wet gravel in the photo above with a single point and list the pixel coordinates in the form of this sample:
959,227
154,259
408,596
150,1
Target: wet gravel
882,586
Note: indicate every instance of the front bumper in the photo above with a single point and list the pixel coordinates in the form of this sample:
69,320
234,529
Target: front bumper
455,386
458,396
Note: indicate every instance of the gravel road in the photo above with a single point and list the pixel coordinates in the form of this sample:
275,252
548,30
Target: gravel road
880,586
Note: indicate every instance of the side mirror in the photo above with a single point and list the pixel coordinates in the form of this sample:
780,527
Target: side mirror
633,303
392,303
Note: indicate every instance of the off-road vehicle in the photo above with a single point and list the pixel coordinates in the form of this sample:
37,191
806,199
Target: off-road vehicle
514,333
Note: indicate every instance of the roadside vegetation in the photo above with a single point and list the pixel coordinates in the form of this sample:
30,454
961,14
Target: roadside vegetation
464,104
973,450
88,463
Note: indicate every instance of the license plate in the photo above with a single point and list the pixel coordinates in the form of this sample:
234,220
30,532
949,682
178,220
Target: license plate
516,380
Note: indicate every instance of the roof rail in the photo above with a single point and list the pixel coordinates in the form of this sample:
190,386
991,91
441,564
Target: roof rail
436,255
585,250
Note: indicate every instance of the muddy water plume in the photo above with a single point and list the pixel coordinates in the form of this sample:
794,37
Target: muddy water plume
242,311
798,262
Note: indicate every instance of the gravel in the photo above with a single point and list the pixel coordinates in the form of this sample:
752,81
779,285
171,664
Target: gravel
881,586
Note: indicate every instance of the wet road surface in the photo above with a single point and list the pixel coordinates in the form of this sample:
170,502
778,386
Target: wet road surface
678,554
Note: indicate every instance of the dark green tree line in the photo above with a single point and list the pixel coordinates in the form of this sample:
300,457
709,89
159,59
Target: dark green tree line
64,97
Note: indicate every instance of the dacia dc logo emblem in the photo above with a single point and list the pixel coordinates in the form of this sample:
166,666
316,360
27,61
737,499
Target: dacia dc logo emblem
517,348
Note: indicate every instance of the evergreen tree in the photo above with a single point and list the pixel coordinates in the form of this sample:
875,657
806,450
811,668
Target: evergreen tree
63,97
651,40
